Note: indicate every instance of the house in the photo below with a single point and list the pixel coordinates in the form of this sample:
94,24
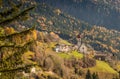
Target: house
57,48
74,47
100,56
103,56
33,70
84,48
62,48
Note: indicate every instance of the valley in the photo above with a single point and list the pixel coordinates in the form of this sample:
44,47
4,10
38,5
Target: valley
53,41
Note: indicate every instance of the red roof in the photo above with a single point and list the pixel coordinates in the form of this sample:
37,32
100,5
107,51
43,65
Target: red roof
79,36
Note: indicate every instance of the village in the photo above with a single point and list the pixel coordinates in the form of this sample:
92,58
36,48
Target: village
85,49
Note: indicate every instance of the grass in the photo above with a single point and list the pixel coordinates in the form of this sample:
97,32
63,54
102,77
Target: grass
52,44
102,66
64,55
118,67
70,55
77,54
64,42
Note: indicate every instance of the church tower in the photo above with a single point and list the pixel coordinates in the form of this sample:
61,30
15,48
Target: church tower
79,40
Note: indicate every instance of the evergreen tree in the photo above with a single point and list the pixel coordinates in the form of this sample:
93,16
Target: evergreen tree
88,75
13,46
10,11
95,76
119,74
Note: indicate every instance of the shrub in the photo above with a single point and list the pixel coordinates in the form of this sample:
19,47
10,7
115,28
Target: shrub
88,62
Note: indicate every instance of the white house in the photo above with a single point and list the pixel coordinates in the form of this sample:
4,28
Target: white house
33,70
62,48
57,48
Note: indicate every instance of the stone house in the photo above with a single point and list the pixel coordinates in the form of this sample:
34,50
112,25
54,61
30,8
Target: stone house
86,49
83,49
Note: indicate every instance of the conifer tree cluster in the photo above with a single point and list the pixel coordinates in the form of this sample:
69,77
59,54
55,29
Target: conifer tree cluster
91,76
14,45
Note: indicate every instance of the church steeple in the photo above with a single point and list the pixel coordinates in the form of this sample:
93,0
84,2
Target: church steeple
79,39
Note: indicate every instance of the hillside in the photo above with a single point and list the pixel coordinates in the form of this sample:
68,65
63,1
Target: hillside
28,48
47,63
52,19
96,12
103,69
64,65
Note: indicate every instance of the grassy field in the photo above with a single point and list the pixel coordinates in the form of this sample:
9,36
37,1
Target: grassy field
72,54
118,67
102,66
64,42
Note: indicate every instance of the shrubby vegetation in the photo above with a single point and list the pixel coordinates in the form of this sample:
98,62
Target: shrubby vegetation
12,46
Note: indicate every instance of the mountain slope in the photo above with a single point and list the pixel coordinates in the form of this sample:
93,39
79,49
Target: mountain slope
53,19
70,61
100,38
51,65
99,12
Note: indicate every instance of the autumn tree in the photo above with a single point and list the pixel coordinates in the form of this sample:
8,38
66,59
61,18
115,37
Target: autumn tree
14,45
